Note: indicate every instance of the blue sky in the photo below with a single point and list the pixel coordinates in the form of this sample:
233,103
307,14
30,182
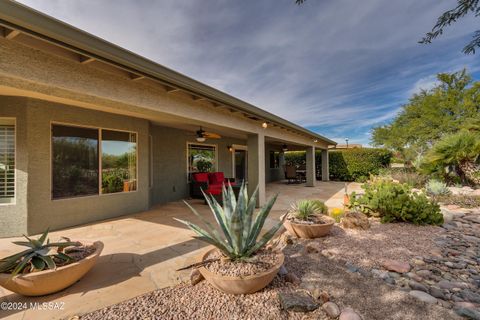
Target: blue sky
338,67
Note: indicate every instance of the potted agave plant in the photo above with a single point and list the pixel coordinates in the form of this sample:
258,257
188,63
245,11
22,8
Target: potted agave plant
239,263
47,267
308,219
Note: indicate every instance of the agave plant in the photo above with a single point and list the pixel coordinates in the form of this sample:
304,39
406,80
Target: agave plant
239,229
38,257
304,209
437,188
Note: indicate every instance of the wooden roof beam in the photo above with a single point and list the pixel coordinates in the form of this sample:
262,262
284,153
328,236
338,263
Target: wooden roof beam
85,60
171,89
10,34
136,77
197,98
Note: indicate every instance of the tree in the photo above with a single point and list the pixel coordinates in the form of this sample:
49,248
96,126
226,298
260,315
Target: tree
449,17
460,150
430,115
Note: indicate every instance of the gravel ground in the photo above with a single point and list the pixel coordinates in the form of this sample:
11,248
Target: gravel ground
370,297
368,248
261,262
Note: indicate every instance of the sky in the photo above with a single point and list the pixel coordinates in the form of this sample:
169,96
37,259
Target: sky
336,67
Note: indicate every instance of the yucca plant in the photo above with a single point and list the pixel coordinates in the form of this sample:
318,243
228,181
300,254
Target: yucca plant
239,229
305,209
38,257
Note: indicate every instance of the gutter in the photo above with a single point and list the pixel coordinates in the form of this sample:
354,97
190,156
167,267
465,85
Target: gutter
32,22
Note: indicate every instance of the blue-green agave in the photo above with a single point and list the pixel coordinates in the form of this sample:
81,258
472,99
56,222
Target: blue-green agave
39,256
239,228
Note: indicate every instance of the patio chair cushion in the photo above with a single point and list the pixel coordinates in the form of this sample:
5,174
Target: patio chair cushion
200,177
214,191
216,178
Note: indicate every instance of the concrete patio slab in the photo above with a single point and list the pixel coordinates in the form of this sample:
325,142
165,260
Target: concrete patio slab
142,252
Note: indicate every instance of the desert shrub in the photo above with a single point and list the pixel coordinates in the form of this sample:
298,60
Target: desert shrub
337,214
461,200
346,165
436,188
391,201
405,175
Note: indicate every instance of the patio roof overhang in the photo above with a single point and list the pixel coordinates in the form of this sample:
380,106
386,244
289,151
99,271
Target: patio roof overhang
17,19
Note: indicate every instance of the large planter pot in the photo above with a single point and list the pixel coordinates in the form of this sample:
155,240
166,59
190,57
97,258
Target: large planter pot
240,285
309,231
50,281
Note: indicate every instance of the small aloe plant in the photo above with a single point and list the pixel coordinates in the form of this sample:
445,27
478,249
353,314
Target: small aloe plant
305,209
239,228
38,257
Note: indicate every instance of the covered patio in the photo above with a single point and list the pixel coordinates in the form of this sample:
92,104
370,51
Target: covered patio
143,250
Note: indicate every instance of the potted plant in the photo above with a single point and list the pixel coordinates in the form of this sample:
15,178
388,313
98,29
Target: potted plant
308,219
47,267
239,263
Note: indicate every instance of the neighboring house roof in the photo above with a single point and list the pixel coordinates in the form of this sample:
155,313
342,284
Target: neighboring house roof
350,146
16,16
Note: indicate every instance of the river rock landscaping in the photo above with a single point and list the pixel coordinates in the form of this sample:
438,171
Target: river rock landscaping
389,271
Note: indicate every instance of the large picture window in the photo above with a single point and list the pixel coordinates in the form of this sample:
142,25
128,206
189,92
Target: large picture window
7,161
77,161
201,158
119,161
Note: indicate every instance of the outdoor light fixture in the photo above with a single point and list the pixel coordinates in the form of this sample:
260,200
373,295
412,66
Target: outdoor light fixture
315,140
264,125
230,148
284,148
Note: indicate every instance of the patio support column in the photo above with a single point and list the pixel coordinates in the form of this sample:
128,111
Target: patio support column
325,167
256,166
311,172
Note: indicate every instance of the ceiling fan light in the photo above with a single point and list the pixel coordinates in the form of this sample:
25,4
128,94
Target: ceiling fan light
201,139
284,148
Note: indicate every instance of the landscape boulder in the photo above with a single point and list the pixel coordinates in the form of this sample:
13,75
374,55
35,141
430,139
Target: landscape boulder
355,220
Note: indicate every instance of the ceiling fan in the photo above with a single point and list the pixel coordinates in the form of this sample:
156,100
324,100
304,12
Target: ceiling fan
202,135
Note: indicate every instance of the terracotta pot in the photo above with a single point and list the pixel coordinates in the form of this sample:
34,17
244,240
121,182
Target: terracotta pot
240,285
50,281
309,231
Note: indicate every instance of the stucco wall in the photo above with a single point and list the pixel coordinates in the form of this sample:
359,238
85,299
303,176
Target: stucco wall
170,162
35,73
44,212
13,217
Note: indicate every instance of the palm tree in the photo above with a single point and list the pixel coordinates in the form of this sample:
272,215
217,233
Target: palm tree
461,149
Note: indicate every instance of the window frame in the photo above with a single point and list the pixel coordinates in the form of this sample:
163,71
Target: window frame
202,144
14,202
99,130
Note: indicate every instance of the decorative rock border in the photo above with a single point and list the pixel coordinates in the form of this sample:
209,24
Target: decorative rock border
449,276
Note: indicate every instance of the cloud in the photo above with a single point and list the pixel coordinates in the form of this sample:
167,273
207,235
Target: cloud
336,67
424,84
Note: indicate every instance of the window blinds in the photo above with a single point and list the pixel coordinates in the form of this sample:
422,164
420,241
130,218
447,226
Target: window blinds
7,163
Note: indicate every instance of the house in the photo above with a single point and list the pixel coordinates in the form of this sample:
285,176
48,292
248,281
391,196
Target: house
90,131
347,146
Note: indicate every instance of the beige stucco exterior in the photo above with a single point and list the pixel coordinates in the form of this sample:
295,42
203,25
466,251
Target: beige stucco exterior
41,84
